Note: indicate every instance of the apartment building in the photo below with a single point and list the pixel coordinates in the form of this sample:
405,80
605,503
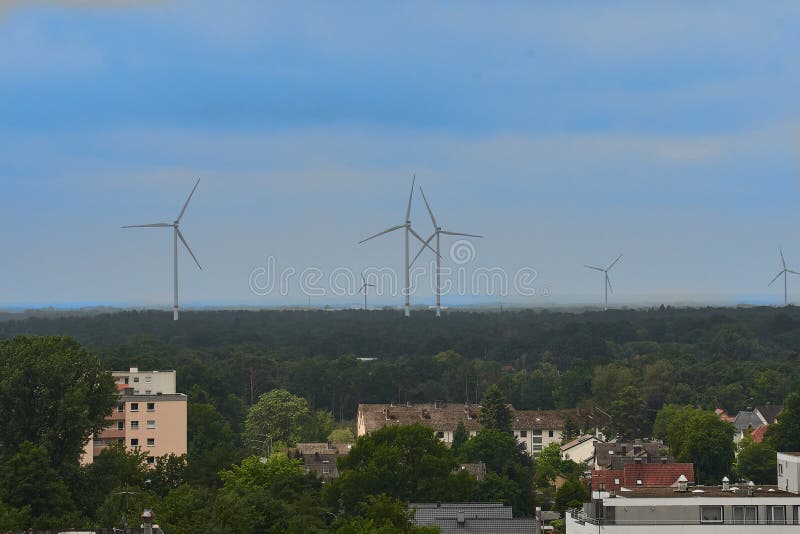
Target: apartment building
150,416
534,429
684,508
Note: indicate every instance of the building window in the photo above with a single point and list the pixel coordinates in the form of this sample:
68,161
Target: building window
134,424
120,425
537,432
136,380
121,407
616,482
134,406
151,460
148,379
776,515
151,406
550,434
121,440
638,481
98,443
780,469
523,433
326,470
151,442
440,435
711,514
134,442
536,439
151,423
147,392
745,515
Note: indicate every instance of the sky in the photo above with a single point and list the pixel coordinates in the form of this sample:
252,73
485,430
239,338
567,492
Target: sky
566,133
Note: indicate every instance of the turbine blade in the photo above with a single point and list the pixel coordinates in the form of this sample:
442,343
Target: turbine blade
361,289
364,280
430,212
614,262
459,233
392,229
595,268
187,201
422,248
791,271
185,244
776,277
608,281
410,195
154,225
424,243
782,260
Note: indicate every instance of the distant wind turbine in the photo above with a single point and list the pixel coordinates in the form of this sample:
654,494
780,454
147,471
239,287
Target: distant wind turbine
408,230
437,231
176,234
364,287
785,272
607,284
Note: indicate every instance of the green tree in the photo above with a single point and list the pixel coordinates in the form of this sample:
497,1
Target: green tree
460,437
380,514
785,434
503,457
211,443
571,494
406,462
699,437
52,393
278,415
757,462
187,510
571,430
628,415
115,467
317,426
494,412
608,379
28,481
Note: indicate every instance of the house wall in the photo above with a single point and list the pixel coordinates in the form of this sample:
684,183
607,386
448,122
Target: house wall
575,527
581,452
169,432
789,472
147,382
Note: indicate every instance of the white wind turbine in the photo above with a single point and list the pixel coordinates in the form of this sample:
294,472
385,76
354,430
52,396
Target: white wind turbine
408,230
365,288
785,272
607,284
176,234
437,232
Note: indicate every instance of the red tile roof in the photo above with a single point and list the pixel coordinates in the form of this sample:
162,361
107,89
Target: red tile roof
758,433
651,476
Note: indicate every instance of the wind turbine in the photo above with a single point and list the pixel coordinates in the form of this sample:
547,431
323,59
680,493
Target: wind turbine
785,272
364,287
176,234
607,284
437,232
408,230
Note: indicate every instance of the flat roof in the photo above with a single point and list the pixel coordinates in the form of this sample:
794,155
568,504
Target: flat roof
701,491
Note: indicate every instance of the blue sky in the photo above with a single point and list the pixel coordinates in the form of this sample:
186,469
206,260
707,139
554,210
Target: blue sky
565,132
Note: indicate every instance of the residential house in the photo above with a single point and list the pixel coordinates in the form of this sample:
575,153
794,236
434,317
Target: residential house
534,429
320,458
580,449
751,422
618,454
640,476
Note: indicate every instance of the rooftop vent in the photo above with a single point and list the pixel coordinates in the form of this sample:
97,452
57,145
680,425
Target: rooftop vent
726,484
683,484
460,519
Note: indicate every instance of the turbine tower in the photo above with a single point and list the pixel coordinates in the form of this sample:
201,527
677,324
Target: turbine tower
437,232
785,272
176,234
607,284
408,230
364,287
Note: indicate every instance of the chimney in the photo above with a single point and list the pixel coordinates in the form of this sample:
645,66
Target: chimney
408,404
751,489
683,484
134,370
726,484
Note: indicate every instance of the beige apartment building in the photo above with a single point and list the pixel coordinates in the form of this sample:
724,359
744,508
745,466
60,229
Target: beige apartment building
150,416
